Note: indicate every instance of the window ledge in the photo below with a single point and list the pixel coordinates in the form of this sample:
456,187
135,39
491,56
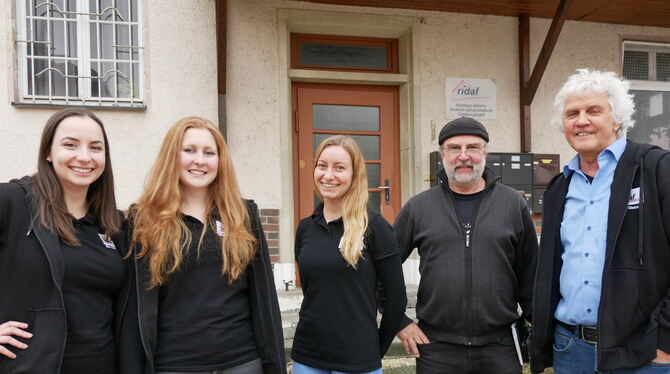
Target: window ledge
133,108
324,76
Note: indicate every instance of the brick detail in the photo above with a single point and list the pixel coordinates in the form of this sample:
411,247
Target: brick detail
270,221
270,212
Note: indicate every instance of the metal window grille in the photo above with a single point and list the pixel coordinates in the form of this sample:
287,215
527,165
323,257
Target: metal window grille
646,61
80,52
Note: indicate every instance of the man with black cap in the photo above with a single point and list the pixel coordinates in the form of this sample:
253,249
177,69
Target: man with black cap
477,247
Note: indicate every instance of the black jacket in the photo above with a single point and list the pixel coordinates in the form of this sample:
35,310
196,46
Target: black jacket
469,289
265,314
31,272
634,311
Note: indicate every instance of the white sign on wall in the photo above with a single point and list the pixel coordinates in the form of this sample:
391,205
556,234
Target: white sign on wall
470,97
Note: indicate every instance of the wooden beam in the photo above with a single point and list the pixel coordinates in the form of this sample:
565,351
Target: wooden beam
547,49
524,75
221,9
221,26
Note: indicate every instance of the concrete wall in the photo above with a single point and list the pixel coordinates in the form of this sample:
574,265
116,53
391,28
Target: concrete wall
180,80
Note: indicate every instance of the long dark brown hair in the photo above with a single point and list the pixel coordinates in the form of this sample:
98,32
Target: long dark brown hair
48,191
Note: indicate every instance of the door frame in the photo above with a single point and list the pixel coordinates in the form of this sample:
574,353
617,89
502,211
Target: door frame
408,31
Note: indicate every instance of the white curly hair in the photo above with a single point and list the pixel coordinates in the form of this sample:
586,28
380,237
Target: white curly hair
585,82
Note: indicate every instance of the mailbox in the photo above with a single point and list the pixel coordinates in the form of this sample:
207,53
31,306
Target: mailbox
545,167
526,192
493,162
435,167
517,168
538,204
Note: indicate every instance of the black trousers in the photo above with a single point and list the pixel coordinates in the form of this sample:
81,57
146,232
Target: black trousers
447,358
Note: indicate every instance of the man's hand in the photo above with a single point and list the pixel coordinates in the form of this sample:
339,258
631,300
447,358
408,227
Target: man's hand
661,357
410,336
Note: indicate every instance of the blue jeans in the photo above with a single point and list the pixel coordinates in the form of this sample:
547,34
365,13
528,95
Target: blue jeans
575,356
299,368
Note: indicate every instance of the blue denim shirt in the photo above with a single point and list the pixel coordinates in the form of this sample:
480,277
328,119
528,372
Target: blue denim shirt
583,235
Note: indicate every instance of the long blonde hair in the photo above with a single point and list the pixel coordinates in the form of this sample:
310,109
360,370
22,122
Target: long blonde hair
160,233
355,201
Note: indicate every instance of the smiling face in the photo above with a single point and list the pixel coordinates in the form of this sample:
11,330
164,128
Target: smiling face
77,153
333,173
464,159
588,124
198,160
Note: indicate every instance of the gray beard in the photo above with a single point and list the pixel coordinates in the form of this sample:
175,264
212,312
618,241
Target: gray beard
477,172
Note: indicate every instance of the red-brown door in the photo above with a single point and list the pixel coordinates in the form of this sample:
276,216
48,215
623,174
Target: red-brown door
369,114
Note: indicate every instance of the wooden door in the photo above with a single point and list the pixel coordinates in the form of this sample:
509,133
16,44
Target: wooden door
369,114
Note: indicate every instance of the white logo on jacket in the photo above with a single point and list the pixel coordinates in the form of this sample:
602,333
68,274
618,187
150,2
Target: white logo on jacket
634,199
107,241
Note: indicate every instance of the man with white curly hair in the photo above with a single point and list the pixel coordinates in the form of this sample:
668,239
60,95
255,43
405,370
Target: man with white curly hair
601,301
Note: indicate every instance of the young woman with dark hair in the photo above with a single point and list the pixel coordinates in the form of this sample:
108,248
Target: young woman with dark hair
207,302
66,288
344,251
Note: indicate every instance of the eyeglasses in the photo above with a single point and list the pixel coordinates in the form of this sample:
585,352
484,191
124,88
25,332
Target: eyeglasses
470,150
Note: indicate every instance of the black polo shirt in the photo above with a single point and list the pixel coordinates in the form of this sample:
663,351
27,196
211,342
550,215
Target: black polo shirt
337,329
204,322
94,275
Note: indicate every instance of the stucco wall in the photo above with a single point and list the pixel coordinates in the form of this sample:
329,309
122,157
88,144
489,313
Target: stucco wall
180,63
451,45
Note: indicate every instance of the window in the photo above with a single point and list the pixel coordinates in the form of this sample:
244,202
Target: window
344,53
80,52
647,66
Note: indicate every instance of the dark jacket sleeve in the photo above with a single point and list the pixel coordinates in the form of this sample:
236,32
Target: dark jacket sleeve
389,273
404,231
663,185
265,313
130,352
390,280
525,263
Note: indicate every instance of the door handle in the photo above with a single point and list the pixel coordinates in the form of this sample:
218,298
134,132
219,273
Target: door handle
387,191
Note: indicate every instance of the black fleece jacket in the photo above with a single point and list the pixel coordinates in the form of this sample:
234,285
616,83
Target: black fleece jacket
634,312
31,272
468,294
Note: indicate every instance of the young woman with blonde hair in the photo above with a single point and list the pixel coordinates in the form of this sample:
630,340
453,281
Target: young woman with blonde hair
343,250
207,301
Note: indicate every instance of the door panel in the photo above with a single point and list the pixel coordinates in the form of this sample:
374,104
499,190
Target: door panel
369,114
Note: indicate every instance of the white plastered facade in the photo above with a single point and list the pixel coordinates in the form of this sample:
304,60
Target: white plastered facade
180,80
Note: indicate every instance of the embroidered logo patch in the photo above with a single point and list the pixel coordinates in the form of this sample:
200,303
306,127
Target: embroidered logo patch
107,242
219,228
634,198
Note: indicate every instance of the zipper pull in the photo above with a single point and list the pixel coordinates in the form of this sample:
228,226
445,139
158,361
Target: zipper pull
468,229
29,231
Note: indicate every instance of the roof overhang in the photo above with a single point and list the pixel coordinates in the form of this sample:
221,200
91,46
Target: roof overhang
626,12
